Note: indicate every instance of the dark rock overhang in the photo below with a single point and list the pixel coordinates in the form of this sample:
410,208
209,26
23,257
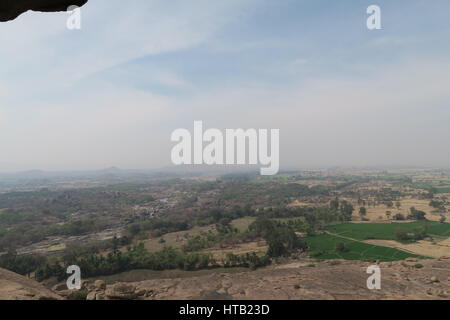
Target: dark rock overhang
11,9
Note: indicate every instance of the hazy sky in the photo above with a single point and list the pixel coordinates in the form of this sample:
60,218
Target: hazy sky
111,93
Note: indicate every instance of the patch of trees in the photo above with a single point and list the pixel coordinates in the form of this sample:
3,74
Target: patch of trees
341,247
156,227
205,186
247,260
11,217
399,217
313,215
225,234
267,193
280,237
438,205
160,226
24,264
282,240
362,211
384,195
22,235
26,219
344,207
295,190
415,214
217,214
135,257
28,233
60,204
405,235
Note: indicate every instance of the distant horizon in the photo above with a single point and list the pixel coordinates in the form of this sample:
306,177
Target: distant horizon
217,168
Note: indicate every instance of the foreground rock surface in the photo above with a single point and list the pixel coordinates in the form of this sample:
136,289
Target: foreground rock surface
306,280
17,287
11,9
428,279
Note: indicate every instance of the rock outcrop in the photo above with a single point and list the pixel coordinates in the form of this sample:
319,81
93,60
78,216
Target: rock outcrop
17,287
306,280
409,279
11,9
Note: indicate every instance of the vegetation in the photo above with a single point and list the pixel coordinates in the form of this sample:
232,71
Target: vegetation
391,231
282,240
328,246
416,214
135,257
288,212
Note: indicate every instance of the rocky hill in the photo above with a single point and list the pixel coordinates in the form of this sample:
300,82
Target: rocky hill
409,279
17,287
306,280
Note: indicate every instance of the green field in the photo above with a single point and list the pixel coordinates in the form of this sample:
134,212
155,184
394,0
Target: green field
443,190
386,231
324,247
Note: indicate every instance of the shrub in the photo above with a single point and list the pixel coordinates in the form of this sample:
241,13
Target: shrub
78,295
341,248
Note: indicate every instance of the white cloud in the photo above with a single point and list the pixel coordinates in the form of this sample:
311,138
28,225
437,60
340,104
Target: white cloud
384,118
387,117
39,52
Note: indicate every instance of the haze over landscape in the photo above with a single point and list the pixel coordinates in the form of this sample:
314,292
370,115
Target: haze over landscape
111,93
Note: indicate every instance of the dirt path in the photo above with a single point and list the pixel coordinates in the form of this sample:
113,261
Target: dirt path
423,248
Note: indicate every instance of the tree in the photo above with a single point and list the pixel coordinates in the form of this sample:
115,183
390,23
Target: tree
388,214
362,211
341,248
442,219
115,245
416,214
263,227
283,242
23,265
431,192
346,209
334,204
276,248
399,216
398,205
440,205
401,234
281,239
